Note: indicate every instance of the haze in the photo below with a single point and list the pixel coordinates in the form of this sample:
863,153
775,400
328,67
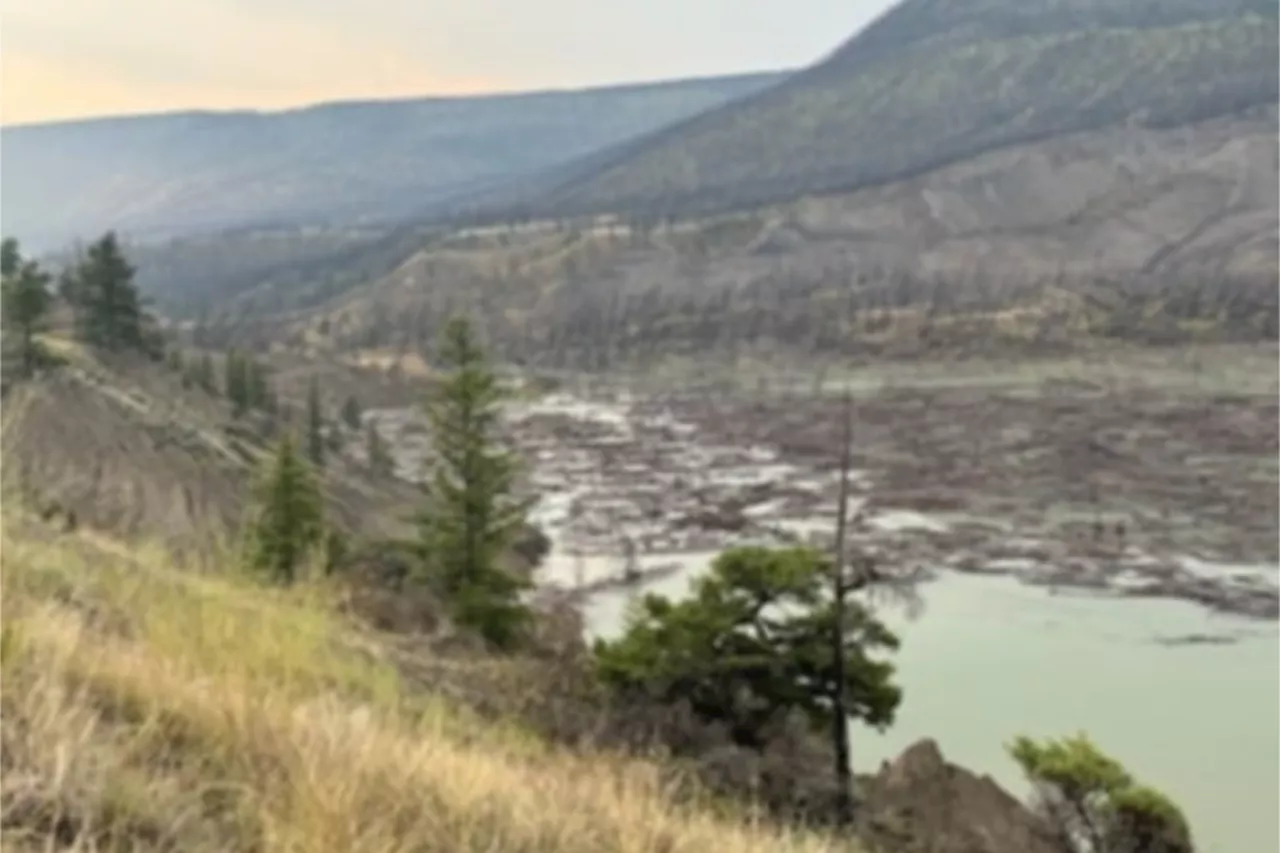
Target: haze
66,59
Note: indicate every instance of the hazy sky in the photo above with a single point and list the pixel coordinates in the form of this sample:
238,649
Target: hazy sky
72,58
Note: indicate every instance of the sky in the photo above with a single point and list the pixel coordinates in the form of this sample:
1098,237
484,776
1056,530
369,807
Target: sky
64,59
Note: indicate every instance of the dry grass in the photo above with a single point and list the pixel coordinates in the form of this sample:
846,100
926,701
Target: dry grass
147,709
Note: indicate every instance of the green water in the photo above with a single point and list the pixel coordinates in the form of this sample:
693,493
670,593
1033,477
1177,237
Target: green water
990,659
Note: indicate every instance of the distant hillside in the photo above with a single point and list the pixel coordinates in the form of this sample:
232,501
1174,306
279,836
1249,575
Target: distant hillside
1161,236
931,83
175,174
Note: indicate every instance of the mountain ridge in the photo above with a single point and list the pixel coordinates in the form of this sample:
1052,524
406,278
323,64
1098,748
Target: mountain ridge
910,107
177,174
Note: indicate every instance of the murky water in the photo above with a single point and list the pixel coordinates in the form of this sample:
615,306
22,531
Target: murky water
991,658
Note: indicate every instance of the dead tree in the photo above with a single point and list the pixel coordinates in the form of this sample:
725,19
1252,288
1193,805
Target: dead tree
840,717
847,578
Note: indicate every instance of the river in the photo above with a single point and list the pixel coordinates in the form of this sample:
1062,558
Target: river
990,658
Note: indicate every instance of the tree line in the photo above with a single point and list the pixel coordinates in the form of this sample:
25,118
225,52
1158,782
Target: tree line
592,321
97,287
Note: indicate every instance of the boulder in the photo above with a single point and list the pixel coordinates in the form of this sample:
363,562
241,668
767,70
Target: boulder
919,803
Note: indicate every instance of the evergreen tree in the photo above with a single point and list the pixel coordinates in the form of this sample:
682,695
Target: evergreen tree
205,375
351,412
751,644
381,463
236,382
471,514
259,387
315,426
109,310
335,551
25,301
289,525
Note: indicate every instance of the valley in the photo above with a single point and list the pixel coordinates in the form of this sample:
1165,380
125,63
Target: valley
466,474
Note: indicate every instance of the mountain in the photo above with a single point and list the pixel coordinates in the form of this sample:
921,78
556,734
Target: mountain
174,174
930,83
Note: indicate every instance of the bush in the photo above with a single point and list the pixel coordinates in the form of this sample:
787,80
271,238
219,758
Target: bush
1093,802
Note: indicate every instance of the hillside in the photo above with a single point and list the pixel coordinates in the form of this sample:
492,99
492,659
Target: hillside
148,710
128,448
934,82
985,254
174,174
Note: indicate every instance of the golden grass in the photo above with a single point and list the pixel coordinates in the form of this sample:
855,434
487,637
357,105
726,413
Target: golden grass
147,709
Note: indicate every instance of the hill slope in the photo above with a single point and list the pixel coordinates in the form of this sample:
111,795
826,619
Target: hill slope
178,173
931,83
148,710
123,445
1147,235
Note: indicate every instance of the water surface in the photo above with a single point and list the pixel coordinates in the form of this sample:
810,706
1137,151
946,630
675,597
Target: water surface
991,658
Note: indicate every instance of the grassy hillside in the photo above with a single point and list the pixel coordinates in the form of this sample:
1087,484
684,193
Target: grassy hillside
147,710
933,82
178,173
128,447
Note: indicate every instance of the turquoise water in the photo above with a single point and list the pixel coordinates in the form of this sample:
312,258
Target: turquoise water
989,659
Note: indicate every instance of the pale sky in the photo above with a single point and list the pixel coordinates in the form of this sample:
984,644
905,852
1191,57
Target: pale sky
76,58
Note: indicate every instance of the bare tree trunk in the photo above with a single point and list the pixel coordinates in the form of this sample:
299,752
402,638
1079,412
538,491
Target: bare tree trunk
840,716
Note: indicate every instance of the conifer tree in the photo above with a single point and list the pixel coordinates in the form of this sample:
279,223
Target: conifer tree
205,376
109,311
381,463
26,300
351,412
259,387
10,257
315,426
289,525
471,514
236,382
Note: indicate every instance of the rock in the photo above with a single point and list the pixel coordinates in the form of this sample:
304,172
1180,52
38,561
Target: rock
919,803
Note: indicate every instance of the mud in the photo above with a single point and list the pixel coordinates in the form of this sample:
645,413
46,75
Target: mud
1141,494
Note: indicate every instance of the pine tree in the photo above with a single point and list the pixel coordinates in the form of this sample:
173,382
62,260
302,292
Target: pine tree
381,463
335,551
259,386
315,426
25,301
351,412
205,376
109,310
471,514
289,525
10,257
236,382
